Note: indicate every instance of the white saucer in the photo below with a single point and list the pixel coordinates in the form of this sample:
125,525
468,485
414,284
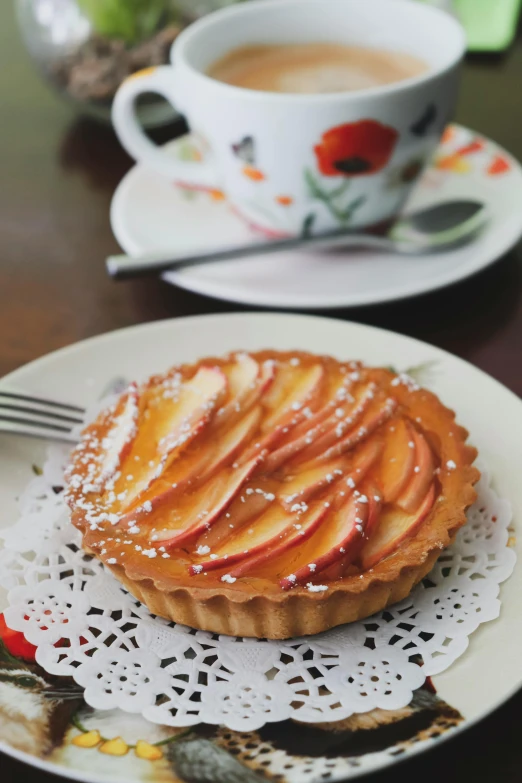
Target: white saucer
150,213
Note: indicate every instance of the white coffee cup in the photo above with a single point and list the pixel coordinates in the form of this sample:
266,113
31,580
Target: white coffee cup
289,162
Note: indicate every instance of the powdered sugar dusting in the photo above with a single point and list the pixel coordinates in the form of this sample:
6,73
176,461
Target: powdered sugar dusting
316,588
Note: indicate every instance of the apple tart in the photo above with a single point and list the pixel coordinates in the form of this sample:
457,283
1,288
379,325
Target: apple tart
271,494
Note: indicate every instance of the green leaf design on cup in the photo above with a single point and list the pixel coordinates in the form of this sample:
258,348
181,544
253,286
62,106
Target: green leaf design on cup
332,198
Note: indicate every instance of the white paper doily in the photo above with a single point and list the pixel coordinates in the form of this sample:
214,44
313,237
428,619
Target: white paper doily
87,627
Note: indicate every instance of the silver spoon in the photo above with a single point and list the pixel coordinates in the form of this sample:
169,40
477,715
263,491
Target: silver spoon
433,229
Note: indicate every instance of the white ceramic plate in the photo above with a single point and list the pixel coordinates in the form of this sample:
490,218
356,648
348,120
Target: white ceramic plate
149,213
492,414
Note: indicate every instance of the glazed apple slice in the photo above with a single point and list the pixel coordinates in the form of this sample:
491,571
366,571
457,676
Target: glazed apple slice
264,444
309,482
358,466
337,426
256,498
165,436
242,375
270,532
344,531
300,530
288,402
338,569
398,460
394,526
116,430
220,453
414,493
369,425
120,436
196,401
247,382
339,397
192,518
293,389
375,504
230,443
315,439
266,378
195,468
298,446
348,472
310,422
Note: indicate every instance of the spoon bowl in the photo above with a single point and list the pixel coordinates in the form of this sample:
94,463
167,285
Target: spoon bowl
440,227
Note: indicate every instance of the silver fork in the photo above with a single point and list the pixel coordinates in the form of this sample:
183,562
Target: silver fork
22,414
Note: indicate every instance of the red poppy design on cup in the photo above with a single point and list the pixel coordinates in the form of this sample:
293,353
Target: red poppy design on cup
355,149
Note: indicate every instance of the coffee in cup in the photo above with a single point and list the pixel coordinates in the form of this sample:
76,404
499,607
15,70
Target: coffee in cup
314,67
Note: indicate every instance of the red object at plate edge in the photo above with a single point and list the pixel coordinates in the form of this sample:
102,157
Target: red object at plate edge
15,642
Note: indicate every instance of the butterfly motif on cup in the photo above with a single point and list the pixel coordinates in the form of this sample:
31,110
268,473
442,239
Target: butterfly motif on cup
425,121
245,150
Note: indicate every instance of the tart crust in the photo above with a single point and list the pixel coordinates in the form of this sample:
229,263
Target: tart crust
237,610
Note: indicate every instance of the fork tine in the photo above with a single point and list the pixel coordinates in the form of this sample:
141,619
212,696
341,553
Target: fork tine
36,429
35,423
40,401
37,412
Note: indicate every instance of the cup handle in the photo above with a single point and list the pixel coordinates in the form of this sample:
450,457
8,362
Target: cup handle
130,133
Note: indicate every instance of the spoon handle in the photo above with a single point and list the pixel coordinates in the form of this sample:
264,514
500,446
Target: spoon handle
122,267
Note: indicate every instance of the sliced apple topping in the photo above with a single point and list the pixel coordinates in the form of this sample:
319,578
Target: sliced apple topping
269,530
309,440
393,527
332,430
375,503
196,515
342,567
230,444
357,467
196,401
247,383
414,493
286,407
169,429
368,426
293,389
343,533
256,497
338,397
278,542
121,434
299,446
242,375
308,483
195,467
264,444
398,459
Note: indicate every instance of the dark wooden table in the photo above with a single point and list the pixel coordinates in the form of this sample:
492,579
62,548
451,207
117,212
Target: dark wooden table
57,175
